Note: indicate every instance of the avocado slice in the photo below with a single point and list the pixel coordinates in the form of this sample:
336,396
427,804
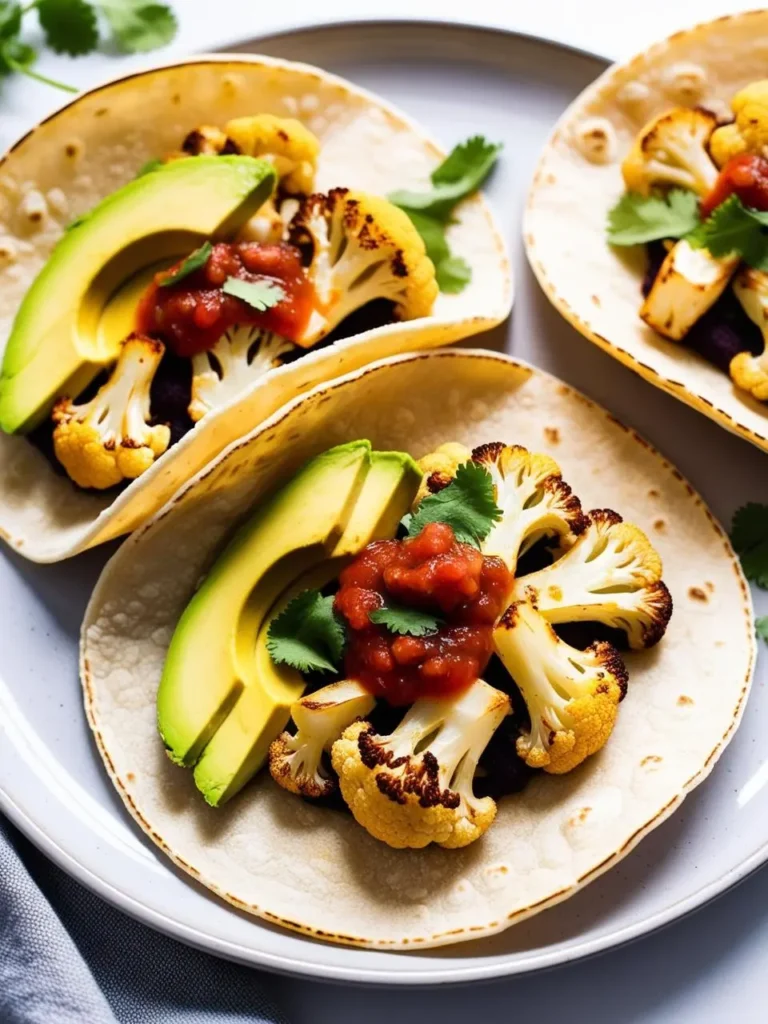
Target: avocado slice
63,333
239,747
211,655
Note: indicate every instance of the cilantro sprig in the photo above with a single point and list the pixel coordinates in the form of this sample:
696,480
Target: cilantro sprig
636,219
406,621
735,228
761,627
260,295
749,534
72,27
307,635
467,505
461,173
195,261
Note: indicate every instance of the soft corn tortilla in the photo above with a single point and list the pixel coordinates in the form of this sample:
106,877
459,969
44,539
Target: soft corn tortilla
316,871
97,143
596,288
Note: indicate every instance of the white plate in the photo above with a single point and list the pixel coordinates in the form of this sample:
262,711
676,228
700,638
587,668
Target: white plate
457,82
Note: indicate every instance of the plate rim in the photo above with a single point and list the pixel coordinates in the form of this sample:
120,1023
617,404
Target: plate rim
529,962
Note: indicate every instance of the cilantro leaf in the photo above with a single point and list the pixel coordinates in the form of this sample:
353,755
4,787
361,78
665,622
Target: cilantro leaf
69,25
462,172
749,534
761,627
261,295
453,273
735,228
139,26
193,262
10,19
467,505
636,219
149,166
307,635
406,621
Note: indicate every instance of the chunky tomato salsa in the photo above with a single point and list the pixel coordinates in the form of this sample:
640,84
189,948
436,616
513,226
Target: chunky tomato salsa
746,176
432,572
192,315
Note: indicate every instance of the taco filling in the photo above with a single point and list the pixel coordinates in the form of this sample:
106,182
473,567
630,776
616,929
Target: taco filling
411,641
697,197
218,264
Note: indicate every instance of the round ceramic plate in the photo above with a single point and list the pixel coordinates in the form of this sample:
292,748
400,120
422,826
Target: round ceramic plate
457,82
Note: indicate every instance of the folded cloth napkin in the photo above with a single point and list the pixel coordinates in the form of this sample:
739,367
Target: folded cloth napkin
68,958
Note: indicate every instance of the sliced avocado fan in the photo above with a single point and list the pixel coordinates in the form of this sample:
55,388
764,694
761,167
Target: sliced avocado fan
64,332
222,700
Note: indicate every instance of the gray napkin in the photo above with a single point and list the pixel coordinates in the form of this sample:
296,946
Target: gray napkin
68,958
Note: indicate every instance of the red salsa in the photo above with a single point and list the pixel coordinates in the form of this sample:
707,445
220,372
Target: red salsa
192,315
434,573
745,176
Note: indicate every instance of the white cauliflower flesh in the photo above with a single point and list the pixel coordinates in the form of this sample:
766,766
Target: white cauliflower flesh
688,283
612,575
240,357
108,439
671,152
363,248
296,761
534,499
748,372
415,786
572,696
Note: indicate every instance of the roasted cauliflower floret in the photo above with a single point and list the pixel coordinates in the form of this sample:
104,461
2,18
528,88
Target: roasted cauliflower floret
671,152
240,356
439,468
572,696
109,439
749,132
208,141
611,574
291,147
688,283
747,371
296,761
410,799
363,248
534,499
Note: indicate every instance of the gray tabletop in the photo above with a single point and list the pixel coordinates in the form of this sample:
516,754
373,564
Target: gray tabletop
707,968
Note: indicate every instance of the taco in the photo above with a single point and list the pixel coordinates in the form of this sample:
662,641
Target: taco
183,250
646,219
477,680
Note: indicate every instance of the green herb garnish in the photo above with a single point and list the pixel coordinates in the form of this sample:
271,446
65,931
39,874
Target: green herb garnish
761,627
636,219
406,621
307,635
261,295
736,229
460,174
151,165
72,27
193,262
467,505
749,534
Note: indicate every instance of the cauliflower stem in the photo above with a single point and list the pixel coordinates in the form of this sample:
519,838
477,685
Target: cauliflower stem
572,696
296,761
414,787
240,356
748,372
109,439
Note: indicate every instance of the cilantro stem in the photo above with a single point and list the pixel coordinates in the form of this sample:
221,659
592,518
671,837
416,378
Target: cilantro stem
38,77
